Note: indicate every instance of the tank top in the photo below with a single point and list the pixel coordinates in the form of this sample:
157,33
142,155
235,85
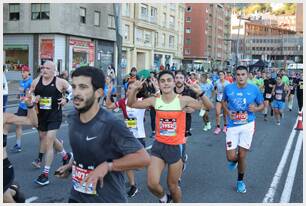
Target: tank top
280,93
170,122
48,107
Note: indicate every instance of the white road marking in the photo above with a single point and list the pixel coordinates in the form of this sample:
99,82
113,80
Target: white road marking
31,199
285,198
269,197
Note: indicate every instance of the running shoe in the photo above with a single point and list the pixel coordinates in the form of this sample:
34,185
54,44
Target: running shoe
265,118
205,128
133,190
152,135
36,163
208,125
67,158
241,188
232,165
278,123
224,129
217,130
185,158
15,149
169,199
42,180
188,133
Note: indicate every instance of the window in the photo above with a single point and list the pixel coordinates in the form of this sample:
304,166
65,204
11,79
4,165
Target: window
188,41
187,51
97,18
163,39
40,11
171,41
188,19
126,32
188,9
188,30
164,19
111,21
156,39
83,15
14,12
139,35
147,37
173,6
171,21
144,11
153,17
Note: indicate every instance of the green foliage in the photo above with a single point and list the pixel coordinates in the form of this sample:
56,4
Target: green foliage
286,9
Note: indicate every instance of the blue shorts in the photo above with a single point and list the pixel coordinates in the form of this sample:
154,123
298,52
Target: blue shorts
278,104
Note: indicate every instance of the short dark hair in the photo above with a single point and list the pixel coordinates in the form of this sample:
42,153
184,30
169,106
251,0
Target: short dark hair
242,68
165,72
181,72
97,76
133,69
221,72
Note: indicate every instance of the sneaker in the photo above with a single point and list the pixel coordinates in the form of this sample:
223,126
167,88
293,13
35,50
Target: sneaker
188,133
67,158
36,163
217,130
278,123
42,180
224,129
152,135
208,125
133,190
15,149
205,128
265,118
169,199
241,187
232,165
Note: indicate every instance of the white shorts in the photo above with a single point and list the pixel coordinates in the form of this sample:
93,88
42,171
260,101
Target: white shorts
240,136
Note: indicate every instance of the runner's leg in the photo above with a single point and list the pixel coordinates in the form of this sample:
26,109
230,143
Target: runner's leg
155,170
174,173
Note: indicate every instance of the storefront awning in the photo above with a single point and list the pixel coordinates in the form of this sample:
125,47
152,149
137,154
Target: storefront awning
15,47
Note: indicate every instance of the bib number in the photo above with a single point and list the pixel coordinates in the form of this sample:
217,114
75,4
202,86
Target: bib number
219,97
241,118
278,96
301,85
168,127
78,176
45,103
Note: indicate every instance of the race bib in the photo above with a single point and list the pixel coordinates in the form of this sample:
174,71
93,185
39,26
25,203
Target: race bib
278,96
131,123
78,176
241,118
45,103
301,85
268,96
291,87
167,127
219,97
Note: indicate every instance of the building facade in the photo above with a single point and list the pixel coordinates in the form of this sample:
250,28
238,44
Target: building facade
152,35
70,35
207,35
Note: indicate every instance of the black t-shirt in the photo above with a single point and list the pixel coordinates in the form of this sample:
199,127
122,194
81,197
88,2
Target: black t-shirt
299,86
104,138
269,83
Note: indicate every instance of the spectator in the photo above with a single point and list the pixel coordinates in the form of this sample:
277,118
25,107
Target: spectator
5,92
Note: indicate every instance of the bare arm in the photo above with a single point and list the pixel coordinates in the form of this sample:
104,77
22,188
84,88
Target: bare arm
30,119
132,99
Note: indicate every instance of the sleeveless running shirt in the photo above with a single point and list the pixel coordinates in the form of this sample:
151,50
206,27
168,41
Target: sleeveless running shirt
280,93
170,122
48,107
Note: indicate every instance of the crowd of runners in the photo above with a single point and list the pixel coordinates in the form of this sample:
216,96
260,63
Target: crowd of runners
105,147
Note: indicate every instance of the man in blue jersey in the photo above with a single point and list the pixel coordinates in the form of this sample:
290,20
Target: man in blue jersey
24,86
240,101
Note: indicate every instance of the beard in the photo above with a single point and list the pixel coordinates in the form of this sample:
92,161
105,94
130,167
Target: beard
88,104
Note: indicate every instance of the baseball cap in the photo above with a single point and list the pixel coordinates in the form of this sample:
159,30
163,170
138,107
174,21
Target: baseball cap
25,68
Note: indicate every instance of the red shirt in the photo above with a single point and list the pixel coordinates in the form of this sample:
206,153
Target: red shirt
229,78
121,104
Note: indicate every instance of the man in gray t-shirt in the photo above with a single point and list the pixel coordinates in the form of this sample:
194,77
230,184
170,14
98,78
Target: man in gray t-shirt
102,146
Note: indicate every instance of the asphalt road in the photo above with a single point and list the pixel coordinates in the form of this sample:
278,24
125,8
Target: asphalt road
206,179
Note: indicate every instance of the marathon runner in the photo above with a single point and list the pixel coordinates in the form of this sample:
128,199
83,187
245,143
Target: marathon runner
219,87
280,96
292,87
170,132
103,147
299,90
11,191
269,84
239,101
49,89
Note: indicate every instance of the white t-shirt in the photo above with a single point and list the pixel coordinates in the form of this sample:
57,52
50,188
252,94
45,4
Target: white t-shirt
5,85
137,128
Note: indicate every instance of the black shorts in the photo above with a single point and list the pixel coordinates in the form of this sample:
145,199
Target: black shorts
169,153
21,112
47,126
8,174
142,141
267,99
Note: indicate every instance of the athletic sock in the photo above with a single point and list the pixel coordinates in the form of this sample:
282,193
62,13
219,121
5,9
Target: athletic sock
240,176
164,198
40,156
46,170
18,142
